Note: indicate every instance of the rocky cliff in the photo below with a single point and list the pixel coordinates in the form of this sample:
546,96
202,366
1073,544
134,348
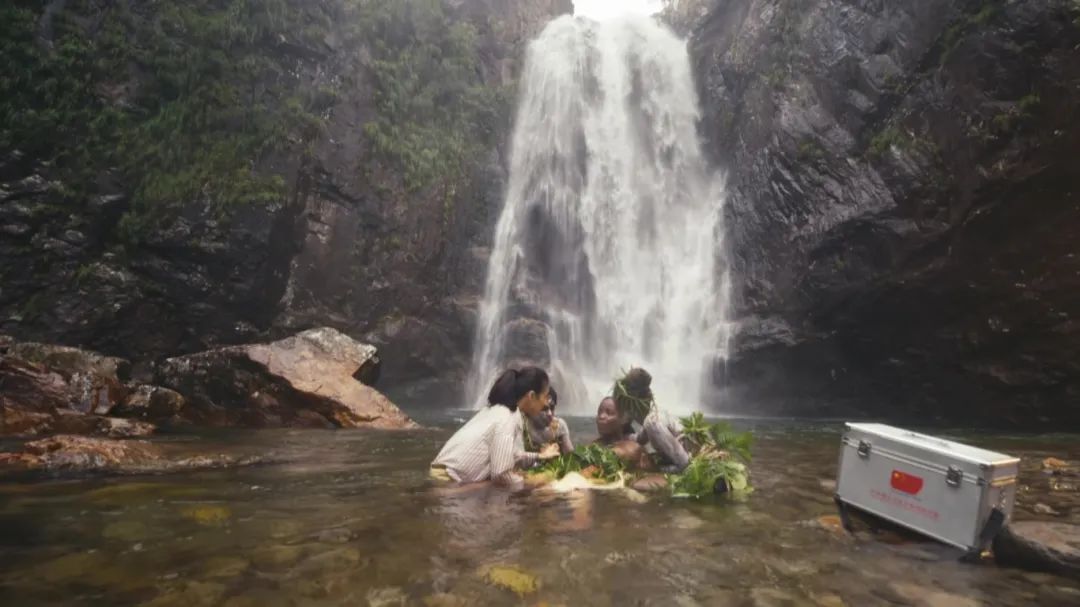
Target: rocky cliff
180,175
903,207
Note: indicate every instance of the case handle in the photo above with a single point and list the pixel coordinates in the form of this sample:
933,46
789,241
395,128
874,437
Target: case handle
864,449
954,476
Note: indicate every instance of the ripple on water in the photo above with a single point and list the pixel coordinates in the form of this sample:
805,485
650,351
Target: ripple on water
366,527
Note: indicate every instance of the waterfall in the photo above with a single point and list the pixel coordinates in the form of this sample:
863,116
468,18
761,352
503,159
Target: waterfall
608,252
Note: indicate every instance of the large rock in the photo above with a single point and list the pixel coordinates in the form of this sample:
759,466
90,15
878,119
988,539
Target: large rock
79,454
901,207
44,376
304,380
151,402
1052,547
54,389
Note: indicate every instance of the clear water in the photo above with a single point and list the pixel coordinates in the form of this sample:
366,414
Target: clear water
349,518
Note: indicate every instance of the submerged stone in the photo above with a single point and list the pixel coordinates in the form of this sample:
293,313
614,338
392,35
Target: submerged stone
133,493
128,531
210,516
225,567
276,557
189,595
773,597
332,559
830,522
510,578
386,597
444,599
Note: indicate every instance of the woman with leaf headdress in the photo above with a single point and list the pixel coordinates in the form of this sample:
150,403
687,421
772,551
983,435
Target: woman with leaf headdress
634,400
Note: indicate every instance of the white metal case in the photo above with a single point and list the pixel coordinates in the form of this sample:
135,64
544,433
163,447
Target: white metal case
940,488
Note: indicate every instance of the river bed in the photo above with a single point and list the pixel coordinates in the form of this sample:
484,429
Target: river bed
349,518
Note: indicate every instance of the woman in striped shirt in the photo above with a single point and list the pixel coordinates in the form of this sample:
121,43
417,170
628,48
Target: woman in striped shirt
485,447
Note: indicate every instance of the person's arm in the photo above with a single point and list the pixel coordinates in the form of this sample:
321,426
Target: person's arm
504,439
642,437
665,442
524,459
565,444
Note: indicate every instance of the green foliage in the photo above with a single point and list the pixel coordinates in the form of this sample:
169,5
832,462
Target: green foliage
701,476
883,141
434,113
709,442
894,136
1005,122
1027,103
180,101
719,436
608,465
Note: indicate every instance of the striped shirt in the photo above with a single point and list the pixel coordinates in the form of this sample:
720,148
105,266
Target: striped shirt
483,449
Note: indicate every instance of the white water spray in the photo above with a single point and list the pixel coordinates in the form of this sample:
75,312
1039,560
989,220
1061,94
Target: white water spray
608,251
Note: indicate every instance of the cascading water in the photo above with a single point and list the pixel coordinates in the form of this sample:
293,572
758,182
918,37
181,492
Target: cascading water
608,251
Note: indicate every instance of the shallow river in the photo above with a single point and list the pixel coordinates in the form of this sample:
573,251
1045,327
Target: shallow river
349,518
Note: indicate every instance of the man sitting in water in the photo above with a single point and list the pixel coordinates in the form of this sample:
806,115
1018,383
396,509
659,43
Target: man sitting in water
542,434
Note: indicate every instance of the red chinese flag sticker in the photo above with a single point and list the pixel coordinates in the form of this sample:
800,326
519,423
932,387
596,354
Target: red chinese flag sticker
908,483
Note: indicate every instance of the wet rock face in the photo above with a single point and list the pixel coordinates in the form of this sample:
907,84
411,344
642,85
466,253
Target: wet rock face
309,379
902,209
151,402
349,246
68,279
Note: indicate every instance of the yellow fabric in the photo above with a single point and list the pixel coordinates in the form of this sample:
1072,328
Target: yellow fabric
439,474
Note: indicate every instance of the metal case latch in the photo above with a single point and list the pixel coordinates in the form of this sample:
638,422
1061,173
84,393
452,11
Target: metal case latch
953,476
864,449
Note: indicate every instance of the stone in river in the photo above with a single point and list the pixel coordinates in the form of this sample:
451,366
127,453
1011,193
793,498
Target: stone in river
1040,546
290,382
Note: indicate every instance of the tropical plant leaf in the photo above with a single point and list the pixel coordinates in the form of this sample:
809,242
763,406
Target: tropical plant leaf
701,477
606,464
718,436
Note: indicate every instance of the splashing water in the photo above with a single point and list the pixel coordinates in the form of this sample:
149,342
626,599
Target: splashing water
608,252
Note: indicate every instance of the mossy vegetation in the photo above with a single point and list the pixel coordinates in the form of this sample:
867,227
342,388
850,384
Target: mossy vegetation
894,136
176,101
785,27
883,141
434,113
1008,121
188,102
987,13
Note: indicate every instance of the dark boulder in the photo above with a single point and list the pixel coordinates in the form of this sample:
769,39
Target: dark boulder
1038,546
